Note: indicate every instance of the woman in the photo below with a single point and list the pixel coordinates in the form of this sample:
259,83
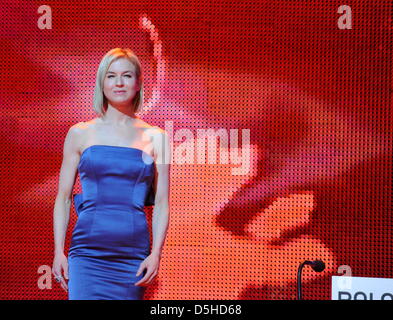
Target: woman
123,164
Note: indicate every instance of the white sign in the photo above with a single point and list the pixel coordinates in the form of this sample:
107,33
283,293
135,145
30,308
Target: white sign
361,288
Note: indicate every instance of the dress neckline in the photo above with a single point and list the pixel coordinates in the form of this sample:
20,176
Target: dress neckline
120,147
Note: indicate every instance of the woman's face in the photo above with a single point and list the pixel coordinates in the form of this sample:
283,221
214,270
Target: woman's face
120,82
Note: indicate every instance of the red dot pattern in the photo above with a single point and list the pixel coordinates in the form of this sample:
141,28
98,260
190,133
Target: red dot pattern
316,100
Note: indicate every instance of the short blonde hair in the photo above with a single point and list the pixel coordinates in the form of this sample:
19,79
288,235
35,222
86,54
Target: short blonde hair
100,102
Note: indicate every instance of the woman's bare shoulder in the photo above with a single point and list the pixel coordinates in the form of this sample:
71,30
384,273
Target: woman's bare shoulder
92,122
77,133
154,131
84,125
148,128
143,124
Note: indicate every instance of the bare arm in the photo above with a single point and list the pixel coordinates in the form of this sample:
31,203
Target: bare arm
160,221
61,212
161,209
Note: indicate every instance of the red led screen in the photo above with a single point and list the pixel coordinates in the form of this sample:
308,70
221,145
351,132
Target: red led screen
305,86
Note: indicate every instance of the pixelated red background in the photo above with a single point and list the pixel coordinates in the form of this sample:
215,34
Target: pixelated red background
316,98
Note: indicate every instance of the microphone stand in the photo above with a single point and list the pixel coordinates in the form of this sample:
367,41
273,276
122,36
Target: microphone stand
317,266
299,280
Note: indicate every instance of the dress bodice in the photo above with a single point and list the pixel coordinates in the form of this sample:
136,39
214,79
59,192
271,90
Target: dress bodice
115,178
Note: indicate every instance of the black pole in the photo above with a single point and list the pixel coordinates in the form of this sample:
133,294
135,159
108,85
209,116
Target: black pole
299,280
317,266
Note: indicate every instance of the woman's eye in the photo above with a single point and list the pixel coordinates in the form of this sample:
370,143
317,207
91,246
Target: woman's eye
127,75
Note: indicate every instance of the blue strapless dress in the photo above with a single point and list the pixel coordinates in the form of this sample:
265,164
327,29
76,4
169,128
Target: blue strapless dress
111,237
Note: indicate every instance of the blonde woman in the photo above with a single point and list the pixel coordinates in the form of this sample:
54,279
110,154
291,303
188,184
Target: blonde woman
124,165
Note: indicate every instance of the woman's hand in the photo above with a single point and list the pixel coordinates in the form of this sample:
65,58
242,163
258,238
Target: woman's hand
60,263
151,263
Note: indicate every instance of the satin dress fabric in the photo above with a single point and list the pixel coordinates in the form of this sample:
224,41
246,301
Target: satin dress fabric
111,237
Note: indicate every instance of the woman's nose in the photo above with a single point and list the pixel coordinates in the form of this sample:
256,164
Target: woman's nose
119,81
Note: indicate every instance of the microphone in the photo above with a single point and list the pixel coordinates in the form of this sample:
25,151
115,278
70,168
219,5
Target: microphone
316,265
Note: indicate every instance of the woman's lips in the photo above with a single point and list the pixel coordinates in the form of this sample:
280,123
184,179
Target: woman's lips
119,92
